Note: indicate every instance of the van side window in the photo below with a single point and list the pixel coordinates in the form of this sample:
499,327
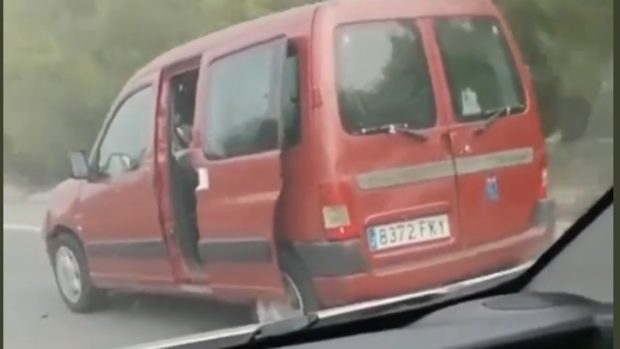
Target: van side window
480,68
239,119
126,137
291,99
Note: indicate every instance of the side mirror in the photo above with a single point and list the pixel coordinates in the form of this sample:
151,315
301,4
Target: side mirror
79,165
573,114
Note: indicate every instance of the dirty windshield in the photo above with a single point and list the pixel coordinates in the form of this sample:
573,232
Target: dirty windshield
207,166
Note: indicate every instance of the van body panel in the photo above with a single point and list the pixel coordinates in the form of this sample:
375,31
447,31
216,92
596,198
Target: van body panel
241,199
301,162
516,171
122,245
432,271
397,178
394,177
500,166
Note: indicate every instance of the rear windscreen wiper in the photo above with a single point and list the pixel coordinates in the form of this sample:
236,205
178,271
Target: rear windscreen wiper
494,114
393,129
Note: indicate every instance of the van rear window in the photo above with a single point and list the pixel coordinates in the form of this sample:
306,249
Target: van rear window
480,68
382,76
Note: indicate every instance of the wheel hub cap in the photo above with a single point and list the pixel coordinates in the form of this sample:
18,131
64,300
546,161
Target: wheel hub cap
68,274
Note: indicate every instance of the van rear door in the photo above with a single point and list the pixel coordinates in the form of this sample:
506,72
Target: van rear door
394,167
496,135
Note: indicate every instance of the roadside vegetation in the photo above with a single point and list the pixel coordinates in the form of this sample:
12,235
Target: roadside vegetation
65,60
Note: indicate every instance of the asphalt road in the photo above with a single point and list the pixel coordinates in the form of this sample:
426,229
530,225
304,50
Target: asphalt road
35,317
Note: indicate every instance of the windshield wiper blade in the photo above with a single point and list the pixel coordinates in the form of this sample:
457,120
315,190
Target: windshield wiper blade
395,128
284,327
494,114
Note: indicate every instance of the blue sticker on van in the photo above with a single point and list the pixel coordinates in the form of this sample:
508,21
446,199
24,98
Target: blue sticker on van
372,239
492,189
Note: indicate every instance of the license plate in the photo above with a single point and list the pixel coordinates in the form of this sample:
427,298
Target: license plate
411,232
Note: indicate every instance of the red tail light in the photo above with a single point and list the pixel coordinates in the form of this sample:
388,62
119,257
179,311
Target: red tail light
339,221
544,178
542,194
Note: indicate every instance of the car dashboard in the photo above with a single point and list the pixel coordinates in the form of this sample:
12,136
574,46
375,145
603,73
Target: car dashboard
532,320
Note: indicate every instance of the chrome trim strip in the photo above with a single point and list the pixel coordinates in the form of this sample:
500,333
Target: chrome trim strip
242,331
493,161
444,168
405,175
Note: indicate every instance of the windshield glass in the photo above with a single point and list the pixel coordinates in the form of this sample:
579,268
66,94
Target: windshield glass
382,76
178,167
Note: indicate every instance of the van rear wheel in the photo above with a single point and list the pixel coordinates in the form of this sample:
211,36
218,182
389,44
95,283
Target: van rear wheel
301,297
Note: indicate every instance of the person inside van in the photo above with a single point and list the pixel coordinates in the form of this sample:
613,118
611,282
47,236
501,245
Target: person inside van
183,174
183,104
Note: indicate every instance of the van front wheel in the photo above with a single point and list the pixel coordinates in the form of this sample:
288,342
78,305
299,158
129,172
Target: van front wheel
301,297
72,276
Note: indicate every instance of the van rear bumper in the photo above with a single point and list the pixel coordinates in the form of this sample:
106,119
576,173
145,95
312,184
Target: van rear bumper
341,276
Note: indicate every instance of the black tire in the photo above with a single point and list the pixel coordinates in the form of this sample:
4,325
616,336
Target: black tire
293,268
294,271
91,298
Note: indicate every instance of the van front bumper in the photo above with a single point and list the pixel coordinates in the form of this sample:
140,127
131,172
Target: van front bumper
342,276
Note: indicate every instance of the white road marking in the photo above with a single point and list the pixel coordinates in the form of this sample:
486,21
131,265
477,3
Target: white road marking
21,228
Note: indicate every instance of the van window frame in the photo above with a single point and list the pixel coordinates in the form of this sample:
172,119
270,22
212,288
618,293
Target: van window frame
287,144
274,102
93,159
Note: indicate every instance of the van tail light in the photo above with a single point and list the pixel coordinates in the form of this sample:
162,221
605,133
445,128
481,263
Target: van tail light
339,221
544,179
542,194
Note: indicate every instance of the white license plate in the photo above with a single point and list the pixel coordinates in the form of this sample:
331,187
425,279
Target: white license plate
415,231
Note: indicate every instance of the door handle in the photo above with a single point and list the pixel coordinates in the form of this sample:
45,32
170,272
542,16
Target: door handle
448,137
203,179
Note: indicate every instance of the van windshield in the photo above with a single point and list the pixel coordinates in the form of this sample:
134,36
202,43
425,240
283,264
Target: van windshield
382,76
480,69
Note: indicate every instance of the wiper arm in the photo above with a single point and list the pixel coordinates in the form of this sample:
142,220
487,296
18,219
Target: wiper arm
395,128
494,114
284,327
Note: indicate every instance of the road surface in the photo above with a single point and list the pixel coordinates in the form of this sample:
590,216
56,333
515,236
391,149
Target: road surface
35,317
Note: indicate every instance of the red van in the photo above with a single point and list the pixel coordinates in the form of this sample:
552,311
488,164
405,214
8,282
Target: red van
335,153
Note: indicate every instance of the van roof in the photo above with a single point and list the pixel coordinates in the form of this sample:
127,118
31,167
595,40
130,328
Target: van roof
195,47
